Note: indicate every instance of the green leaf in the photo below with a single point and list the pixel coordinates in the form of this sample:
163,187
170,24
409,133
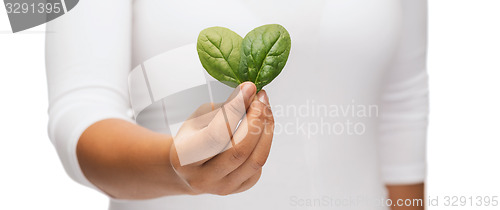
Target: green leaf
264,52
258,58
219,53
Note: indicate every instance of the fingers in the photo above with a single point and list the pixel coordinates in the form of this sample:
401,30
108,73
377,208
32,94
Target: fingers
246,138
247,184
248,174
206,170
258,157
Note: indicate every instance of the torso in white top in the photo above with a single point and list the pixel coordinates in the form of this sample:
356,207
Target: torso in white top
350,104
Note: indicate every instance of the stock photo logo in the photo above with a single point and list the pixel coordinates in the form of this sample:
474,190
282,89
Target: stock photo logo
26,14
167,102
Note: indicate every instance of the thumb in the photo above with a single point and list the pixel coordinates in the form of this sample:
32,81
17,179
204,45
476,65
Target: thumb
241,97
223,125
234,109
217,135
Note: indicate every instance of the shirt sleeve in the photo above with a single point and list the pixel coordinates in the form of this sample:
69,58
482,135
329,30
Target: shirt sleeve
87,62
404,102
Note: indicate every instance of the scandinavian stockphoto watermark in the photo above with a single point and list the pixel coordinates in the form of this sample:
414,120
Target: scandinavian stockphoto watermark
25,14
311,118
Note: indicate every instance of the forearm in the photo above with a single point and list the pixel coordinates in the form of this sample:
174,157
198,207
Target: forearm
128,161
415,194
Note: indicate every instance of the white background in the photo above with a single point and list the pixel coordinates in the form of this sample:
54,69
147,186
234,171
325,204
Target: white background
464,132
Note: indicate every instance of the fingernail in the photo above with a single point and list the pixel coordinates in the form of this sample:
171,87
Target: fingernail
262,97
248,89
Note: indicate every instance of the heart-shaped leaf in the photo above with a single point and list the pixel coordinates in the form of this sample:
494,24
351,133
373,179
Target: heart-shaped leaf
258,58
219,52
264,53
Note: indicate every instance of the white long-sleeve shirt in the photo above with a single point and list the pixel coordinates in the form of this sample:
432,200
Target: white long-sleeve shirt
350,106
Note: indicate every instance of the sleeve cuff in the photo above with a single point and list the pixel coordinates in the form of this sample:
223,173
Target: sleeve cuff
404,174
72,116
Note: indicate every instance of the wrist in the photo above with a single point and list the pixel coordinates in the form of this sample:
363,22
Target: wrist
172,182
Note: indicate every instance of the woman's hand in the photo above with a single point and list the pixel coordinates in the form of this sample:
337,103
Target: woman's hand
127,161
215,153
